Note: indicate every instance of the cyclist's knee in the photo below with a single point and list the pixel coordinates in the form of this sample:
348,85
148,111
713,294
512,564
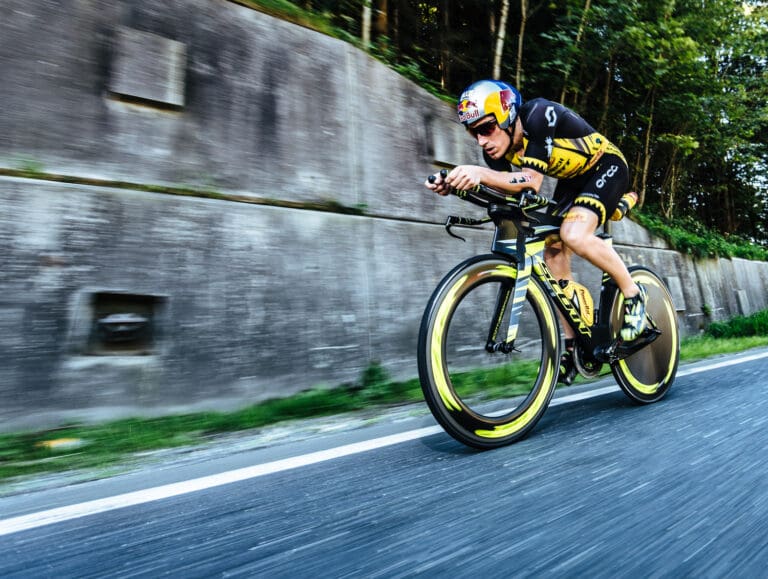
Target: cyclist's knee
575,239
577,229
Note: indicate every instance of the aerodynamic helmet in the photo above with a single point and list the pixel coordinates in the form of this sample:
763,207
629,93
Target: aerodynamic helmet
486,97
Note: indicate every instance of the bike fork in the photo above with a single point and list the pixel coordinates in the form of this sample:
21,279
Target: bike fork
511,298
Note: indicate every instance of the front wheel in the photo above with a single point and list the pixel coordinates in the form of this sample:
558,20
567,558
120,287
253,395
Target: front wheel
486,399
647,375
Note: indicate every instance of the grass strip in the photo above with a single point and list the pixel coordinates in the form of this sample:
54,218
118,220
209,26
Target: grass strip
100,446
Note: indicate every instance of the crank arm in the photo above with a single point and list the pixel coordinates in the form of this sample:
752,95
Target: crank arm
618,349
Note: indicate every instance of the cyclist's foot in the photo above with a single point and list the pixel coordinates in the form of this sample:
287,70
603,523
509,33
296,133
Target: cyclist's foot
568,371
634,316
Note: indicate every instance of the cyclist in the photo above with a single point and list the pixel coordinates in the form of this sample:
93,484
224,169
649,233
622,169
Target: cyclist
543,137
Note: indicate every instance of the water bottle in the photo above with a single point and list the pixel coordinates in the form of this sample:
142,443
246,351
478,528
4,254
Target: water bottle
580,298
626,203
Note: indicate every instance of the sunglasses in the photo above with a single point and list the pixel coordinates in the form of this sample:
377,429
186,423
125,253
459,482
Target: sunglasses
484,130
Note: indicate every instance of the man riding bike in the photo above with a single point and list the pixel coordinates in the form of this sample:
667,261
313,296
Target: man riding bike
543,137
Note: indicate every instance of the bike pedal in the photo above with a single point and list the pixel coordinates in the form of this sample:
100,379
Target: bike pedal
567,372
626,349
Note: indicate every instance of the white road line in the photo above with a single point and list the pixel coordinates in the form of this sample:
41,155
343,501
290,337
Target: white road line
723,364
684,372
61,514
33,520
568,398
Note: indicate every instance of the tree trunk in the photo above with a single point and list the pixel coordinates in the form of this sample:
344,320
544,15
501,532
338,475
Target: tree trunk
647,153
381,26
445,53
730,213
394,28
606,97
579,34
670,181
523,20
671,174
365,34
525,13
500,38
636,172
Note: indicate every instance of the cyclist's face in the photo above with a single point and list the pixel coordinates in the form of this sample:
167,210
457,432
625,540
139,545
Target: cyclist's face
494,141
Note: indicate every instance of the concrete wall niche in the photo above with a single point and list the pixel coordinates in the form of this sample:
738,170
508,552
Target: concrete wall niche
124,324
116,323
148,69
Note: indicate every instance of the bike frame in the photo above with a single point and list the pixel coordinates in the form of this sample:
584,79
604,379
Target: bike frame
516,271
524,246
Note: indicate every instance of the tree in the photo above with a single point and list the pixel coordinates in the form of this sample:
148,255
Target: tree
501,34
366,23
680,85
577,43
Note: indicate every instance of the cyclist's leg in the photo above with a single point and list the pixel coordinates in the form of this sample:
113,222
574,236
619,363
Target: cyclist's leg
558,256
589,200
558,259
578,233
601,192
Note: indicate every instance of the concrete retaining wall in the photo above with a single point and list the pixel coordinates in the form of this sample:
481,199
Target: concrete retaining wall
271,110
246,301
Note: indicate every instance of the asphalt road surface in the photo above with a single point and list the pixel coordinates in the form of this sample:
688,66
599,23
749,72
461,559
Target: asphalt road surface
601,488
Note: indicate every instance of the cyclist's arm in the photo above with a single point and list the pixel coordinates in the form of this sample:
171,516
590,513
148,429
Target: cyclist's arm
468,176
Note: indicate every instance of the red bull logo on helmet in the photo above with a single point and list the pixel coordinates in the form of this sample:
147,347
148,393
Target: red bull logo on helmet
468,111
506,100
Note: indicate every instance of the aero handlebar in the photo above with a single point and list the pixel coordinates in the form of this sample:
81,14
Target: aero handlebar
484,196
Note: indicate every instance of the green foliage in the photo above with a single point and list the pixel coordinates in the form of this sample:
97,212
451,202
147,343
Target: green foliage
406,66
680,85
375,382
687,235
30,167
106,445
705,346
740,326
286,10
511,379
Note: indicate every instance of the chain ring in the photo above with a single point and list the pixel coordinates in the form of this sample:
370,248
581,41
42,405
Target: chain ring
587,368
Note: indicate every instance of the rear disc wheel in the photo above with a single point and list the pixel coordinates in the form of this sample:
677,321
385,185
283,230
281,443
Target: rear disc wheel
647,375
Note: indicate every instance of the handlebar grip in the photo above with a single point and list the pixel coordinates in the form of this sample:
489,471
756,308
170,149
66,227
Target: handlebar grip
443,174
534,198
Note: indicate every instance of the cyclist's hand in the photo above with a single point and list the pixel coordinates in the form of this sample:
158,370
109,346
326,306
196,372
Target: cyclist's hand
464,177
437,184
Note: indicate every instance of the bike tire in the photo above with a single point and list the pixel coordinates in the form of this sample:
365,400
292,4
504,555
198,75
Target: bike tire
647,375
486,400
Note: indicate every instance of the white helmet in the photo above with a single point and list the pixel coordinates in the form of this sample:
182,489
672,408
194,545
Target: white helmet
487,97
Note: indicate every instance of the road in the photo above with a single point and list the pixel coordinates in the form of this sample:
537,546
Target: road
601,488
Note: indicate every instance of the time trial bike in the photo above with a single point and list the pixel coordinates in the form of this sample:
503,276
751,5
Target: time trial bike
490,346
